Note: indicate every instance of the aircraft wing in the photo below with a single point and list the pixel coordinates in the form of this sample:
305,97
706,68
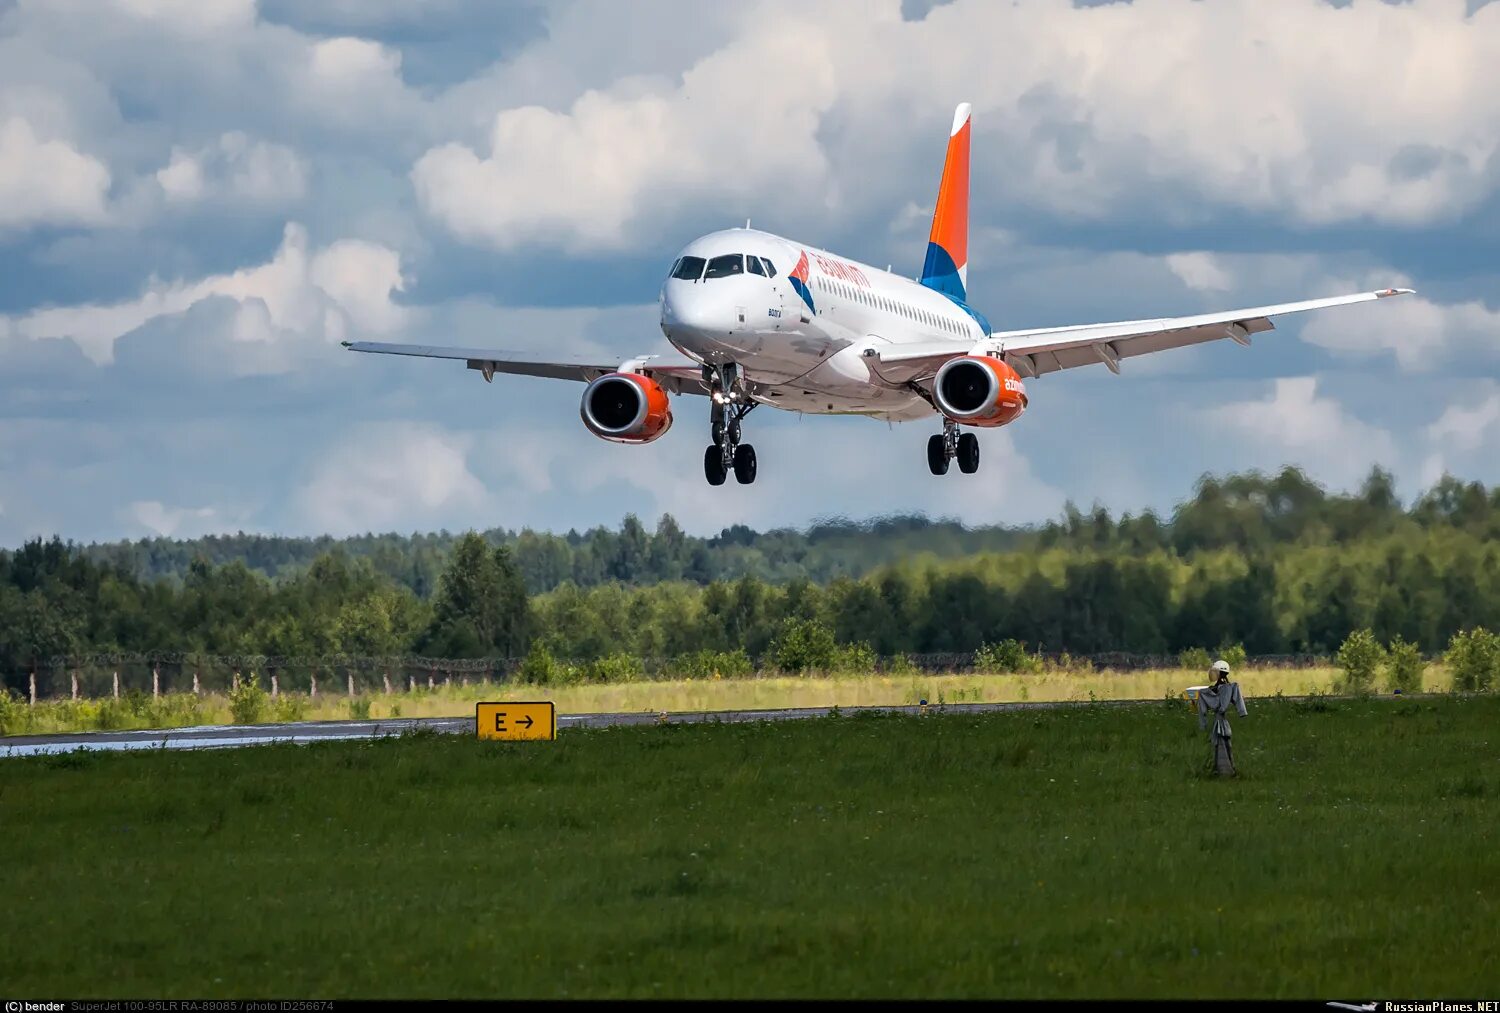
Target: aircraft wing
1033,353
685,378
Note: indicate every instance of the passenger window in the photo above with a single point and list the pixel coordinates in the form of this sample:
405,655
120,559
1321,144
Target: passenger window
770,267
755,268
723,267
688,268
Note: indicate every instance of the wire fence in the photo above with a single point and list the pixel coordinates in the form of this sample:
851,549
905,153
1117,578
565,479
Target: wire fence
94,676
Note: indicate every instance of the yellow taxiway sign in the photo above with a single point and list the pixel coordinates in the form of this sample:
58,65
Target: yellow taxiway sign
514,720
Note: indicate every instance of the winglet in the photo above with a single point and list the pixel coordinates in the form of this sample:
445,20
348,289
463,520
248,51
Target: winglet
1385,292
346,344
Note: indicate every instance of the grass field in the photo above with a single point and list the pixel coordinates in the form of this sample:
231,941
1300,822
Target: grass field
179,710
1077,852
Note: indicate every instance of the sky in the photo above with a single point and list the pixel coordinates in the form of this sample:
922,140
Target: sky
199,199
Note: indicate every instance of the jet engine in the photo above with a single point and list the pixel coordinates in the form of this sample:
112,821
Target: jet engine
979,390
626,408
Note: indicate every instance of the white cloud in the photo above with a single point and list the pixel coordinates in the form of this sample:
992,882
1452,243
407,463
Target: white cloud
1199,270
1468,428
192,15
1421,334
181,179
583,176
294,294
47,181
392,475
168,521
1378,111
1297,426
1465,436
235,166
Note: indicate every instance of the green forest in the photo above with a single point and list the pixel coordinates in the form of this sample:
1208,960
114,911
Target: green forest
1273,562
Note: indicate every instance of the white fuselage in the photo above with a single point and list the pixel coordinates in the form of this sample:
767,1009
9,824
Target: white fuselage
800,336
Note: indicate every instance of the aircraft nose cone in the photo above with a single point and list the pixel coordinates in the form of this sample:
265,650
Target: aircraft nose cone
688,309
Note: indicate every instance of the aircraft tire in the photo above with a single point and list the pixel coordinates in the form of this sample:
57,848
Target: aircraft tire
937,455
744,464
713,466
968,453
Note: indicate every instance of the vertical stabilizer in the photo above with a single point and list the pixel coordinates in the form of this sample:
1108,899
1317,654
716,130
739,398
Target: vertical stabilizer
947,267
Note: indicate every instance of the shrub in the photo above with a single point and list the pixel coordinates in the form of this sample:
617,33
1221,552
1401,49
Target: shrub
1233,655
1006,656
1474,658
290,707
855,659
1067,663
15,715
1360,656
112,714
617,667
804,645
248,702
1405,666
899,664
539,667
359,708
713,664
1196,659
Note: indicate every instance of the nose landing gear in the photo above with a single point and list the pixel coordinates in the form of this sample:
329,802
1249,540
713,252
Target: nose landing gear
944,447
730,405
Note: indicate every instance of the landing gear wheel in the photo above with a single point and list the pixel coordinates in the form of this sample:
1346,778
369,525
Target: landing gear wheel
713,466
937,455
744,464
968,453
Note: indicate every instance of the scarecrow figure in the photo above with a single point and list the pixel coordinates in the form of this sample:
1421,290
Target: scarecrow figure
1217,700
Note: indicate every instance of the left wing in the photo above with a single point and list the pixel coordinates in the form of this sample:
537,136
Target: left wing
679,379
1033,353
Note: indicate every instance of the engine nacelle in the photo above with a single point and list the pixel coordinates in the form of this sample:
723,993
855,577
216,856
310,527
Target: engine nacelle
626,408
979,390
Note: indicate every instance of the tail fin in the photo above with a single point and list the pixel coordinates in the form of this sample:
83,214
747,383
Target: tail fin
947,266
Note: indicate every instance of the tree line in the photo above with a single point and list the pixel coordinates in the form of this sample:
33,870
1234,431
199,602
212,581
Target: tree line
1274,563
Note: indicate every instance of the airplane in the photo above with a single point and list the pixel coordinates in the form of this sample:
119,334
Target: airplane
765,320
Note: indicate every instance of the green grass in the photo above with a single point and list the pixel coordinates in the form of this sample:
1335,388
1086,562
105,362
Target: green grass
1078,852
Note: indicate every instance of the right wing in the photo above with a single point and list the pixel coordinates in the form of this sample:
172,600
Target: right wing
679,379
1033,353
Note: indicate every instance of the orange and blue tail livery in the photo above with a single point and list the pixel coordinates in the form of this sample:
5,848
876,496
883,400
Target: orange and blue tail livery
947,267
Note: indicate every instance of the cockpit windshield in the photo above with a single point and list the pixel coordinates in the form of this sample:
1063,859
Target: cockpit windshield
723,267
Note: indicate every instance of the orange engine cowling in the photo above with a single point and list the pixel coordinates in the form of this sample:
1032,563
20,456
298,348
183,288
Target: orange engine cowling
626,408
979,390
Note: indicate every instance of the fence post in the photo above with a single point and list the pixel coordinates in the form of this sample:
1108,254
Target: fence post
411,683
351,683
117,685
75,685
447,681
236,683
386,678
312,686
155,681
33,689
197,689
275,687
429,678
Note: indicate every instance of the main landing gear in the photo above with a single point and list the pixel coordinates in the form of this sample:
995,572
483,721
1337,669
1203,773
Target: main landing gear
944,447
730,405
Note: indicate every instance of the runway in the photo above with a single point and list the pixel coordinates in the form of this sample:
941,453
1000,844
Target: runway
303,732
